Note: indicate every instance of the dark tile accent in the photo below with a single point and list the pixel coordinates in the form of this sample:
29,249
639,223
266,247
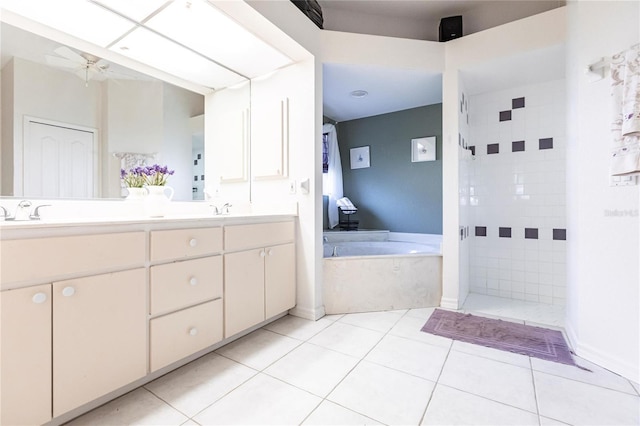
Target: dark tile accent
559,234
461,234
472,148
201,177
195,178
531,233
199,156
517,146
493,148
517,103
481,231
545,143
504,232
505,115
459,139
195,162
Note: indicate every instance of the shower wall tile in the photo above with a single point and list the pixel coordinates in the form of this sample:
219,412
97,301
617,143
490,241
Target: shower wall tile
520,186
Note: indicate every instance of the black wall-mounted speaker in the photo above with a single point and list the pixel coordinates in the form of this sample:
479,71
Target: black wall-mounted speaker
450,28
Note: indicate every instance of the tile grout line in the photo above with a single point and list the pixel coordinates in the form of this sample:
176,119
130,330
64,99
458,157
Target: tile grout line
535,391
424,413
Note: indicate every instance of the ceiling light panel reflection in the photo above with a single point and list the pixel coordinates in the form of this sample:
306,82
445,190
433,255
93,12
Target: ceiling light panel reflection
156,51
218,37
78,18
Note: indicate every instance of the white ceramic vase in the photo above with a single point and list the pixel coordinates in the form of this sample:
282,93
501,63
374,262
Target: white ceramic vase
157,201
136,194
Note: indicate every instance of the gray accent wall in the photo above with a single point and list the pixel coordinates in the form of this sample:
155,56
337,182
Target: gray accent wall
394,193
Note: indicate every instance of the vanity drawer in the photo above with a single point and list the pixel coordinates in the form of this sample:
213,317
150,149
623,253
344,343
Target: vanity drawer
181,284
48,258
241,237
183,333
180,243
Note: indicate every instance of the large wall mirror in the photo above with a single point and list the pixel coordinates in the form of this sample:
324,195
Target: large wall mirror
71,120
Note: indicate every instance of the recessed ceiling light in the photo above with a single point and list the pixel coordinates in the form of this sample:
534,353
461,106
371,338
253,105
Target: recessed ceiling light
359,93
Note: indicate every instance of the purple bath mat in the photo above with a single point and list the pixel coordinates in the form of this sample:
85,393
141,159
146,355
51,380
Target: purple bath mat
504,335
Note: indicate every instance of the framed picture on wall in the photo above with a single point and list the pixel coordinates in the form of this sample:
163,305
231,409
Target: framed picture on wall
423,149
360,157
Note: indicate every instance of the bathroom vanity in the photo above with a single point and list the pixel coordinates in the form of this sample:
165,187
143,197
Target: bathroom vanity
91,310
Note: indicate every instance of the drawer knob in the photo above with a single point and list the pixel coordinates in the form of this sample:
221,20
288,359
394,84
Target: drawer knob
270,252
193,281
193,331
39,297
193,242
262,253
68,291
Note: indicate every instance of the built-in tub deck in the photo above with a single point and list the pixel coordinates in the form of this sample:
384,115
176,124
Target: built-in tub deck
379,270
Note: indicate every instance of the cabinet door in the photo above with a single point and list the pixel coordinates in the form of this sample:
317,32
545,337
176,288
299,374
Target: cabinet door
243,290
25,360
99,336
280,279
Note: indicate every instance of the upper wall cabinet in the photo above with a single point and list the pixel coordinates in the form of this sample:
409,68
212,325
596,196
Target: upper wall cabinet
227,129
269,128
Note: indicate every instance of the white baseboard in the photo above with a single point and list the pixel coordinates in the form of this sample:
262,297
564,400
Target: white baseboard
308,313
603,359
449,303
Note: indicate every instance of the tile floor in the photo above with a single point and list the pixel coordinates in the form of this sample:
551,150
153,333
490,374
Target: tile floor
377,368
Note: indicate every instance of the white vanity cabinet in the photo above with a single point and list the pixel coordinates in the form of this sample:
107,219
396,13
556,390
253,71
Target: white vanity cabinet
99,336
259,267
185,295
25,361
64,328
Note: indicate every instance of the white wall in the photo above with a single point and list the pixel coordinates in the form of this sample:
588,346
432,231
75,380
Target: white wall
421,27
520,190
529,34
603,252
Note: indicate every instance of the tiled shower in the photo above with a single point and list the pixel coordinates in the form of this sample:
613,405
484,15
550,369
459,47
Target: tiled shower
514,188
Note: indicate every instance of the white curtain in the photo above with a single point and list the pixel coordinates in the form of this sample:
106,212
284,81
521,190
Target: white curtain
333,182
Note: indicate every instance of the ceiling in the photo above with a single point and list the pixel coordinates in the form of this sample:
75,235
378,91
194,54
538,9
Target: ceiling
391,89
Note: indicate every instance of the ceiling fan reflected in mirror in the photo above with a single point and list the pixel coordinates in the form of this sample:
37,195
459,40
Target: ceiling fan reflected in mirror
84,65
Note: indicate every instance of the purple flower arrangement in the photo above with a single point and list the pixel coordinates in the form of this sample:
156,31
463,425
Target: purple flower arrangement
139,176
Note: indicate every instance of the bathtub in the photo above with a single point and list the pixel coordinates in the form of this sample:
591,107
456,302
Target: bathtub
381,270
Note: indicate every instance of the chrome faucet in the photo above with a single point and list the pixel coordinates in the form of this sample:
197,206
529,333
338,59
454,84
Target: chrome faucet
5,213
222,210
23,211
335,251
325,239
35,215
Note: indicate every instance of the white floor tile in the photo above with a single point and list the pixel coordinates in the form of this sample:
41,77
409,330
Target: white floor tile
412,357
333,317
383,394
545,421
189,423
298,328
597,376
491,379
377,321
515,309
580,403
261,400
259,349
422,313
491,353
409,327
139,407
313,368
329,413
450,406
347,339
200,383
